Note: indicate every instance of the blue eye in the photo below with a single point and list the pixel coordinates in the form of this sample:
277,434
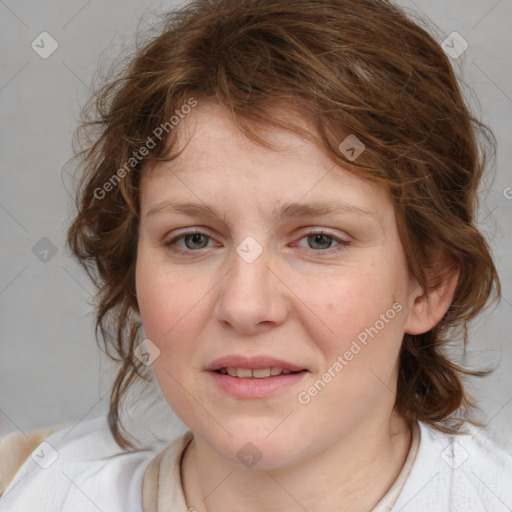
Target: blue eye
196,240
324,240
192,240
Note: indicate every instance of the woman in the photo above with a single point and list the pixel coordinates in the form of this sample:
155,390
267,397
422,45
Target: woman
282,198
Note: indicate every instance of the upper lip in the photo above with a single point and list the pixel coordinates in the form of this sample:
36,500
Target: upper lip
253,363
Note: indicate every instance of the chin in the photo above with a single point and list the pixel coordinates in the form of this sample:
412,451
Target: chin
256,445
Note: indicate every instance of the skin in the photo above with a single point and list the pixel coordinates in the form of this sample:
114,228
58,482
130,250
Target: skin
298,301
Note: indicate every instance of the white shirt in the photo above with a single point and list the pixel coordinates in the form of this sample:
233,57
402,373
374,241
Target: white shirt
90,473
83,470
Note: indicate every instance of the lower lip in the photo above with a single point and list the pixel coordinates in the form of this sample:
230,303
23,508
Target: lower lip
255,388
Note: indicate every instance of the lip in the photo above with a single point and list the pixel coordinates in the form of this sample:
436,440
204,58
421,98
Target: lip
254,388
253,363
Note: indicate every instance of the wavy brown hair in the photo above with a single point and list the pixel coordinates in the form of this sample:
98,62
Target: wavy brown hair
359,67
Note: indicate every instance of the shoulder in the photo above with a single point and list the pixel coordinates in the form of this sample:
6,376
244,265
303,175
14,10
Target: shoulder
465,472
78,467
14,450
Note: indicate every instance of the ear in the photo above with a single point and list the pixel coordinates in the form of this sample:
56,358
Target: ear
427,309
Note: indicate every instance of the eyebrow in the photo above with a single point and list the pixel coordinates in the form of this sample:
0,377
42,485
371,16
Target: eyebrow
287,210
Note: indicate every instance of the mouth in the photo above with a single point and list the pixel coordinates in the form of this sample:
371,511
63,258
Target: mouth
256,373
254,377
258,367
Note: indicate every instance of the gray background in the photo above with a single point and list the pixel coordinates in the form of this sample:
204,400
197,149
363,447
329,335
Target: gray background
50,369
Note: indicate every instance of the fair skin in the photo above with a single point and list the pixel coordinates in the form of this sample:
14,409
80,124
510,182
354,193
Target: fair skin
304,300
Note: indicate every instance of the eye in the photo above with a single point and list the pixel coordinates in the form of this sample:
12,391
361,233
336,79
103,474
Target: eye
319,241
192,241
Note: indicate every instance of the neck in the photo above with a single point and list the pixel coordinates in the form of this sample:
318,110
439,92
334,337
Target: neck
356,472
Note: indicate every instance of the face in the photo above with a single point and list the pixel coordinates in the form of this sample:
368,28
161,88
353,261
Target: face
239,280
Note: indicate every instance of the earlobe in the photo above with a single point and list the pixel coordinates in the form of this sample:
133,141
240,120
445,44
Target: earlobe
427,309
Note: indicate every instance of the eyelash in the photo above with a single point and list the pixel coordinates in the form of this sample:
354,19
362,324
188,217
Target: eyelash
342,243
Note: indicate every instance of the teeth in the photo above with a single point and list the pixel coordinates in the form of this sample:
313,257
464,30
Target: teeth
243,373
247,373
261,373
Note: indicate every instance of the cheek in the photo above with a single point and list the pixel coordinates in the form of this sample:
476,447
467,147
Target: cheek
166,299
359,350
171,309
352,304
360,336
172,313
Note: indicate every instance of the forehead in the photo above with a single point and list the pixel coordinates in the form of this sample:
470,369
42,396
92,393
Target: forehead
209,132
218,161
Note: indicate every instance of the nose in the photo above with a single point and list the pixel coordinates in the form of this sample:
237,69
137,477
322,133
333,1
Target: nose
253,297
